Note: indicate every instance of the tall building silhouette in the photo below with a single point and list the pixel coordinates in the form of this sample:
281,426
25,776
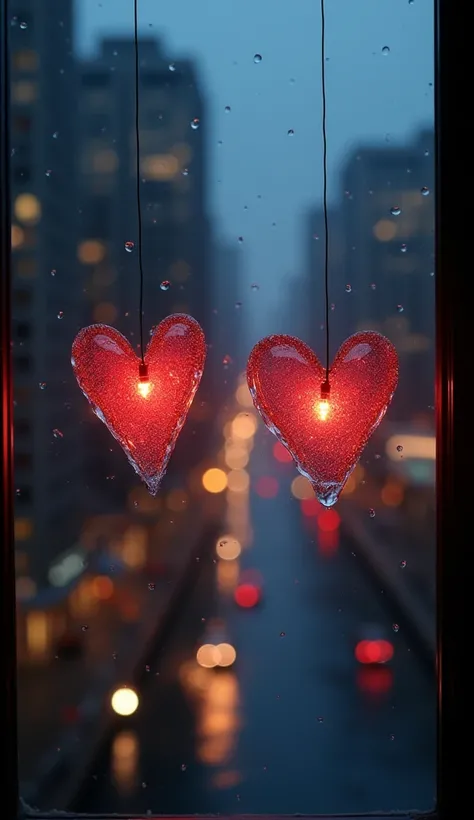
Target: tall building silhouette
46,288
176,233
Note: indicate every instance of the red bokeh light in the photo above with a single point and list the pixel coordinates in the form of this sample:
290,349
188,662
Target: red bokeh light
310,507
373,652
329,520
267,487
247,595
328,542
280,453
375,680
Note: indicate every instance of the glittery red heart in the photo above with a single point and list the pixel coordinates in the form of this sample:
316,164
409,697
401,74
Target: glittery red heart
325,440
146,421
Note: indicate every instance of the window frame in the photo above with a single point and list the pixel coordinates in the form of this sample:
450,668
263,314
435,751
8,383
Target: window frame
453,315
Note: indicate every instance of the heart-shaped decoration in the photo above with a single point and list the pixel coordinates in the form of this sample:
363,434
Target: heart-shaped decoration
324,434
144,415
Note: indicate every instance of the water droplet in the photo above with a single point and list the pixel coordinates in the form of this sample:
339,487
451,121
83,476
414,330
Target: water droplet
60,314
185,172
282,634
373,286
42,385
183,767
333,306
372,512
241,239
172,67
400,308
53,272
48,172
425,191
410,2
165,285
403,564
257,58
227,109
392,737
254,286
399,448
129,246
348,288
114,655
377,456
403,248
432,273
23,25
395,211
84,628
226,361
385,51
291,132
320,719
195,123
151,586
427,153
238,305
57,433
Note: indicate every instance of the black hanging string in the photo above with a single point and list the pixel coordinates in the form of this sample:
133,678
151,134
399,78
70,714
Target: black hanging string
139,206
325,185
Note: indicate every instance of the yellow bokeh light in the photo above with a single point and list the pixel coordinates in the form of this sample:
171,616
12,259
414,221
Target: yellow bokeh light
228,548
236,456
238,481
207,656
27,209
90,251
244,426
384,230
105,313
214,480
18,236
124,701
243,397
226,654
301,488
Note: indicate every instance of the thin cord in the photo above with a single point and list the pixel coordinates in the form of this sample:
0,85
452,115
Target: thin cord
139,205
325,181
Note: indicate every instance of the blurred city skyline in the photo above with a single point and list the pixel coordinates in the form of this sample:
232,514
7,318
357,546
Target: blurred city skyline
262,180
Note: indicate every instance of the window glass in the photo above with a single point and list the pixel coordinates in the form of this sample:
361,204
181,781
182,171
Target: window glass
227,645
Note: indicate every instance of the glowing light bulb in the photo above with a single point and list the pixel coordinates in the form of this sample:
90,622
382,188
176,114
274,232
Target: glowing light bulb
144,389
322,409
144,384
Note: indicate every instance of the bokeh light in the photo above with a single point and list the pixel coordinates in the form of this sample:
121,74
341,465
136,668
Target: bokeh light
244,426
281,454
301,488
228,548
124,701
247,595
238,481
214,480
374,652
267,487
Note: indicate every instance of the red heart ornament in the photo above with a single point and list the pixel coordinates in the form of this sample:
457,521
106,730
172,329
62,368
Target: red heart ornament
146,418
325,437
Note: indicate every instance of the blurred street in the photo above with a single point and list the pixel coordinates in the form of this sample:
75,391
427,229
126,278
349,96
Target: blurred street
296,723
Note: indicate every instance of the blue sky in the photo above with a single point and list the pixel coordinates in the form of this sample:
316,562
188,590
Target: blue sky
372,96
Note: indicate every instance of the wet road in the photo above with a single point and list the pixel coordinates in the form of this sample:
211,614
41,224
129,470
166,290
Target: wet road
295,724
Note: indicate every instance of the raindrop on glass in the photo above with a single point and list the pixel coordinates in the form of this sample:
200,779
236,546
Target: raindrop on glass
185,172
238,305
333,306
165,285
195,123
320,719
227,109
403,564
257,58
42,385
183,767
254,286
399,448
282,634
53,272
23,25
226,361
373,286
425,191
385,51
403,248
48,172
241,239
129,246
84,628
60,314
392,737
57,433
172,67
427,153
399,308
151,586
395,627
372,512
395,211
348,288
291,132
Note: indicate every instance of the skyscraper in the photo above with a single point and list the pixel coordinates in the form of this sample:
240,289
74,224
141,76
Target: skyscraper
45,286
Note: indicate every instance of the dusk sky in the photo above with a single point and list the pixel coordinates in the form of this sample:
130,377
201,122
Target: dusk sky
372,96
